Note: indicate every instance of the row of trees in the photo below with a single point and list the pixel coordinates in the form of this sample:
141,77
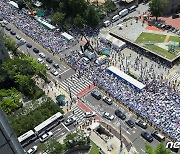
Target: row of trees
22,122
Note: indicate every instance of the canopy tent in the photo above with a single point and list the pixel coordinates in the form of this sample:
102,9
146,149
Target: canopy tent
126,77
106,52
37,3
14,4
45,24
60,99
40,13
67,36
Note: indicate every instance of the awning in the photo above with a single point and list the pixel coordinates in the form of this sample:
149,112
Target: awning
67,36
60,98
14,4
106,52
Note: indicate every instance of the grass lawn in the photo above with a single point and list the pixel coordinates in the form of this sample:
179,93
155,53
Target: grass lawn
95,149
174,38
160,51
150,37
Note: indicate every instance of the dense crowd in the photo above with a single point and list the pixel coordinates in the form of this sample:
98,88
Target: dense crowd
49,39
158,103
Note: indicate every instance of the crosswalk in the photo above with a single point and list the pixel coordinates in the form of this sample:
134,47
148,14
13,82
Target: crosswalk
174,77
75,84
78,114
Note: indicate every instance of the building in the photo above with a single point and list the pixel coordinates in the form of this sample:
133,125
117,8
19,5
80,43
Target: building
3,52
9,143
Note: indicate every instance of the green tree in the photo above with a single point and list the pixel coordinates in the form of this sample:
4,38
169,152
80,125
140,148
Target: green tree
79,21
52,147
10,43
160,149
156,7
58,17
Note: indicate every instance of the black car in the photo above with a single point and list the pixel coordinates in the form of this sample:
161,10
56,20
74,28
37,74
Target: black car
36,50
146,136
56,66
12,32
119,114
29,45
141,124
49,60
8,28
96,94
130,123
1,19
107,100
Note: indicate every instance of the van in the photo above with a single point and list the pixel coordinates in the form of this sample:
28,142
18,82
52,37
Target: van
107,23
132,8
158,136
115,18
123,13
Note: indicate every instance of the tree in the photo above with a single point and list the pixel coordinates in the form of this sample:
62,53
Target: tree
160,149
79,21
52,147
57,17
10,44
156,7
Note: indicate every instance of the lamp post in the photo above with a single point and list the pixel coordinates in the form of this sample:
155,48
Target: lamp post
120,137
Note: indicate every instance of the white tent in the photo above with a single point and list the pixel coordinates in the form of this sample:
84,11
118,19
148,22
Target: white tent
67,36
14,4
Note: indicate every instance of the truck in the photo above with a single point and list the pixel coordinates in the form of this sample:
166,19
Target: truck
115,18
123,13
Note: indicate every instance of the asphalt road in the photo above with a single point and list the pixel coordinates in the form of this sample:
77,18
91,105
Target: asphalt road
133,134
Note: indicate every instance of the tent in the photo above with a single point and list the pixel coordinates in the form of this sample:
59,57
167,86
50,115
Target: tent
14,4
106,52
67,36
45,24
60,99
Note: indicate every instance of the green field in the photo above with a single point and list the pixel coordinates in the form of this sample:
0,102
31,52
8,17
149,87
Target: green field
157,38
150,37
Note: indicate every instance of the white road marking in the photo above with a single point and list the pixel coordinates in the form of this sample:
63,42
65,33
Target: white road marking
65,127
65,71
142,150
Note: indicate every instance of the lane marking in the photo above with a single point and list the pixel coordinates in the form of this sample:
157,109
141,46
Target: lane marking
142,150
65,71
65,127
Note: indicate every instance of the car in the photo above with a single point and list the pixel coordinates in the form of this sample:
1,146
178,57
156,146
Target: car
12,32
49,60
107,100
39,60
108,116
96,94
141,123
130,123
70,121
29,45
8,28
36,50
54,72
1,19
18,37
89,114
48,67
32,150
5,22
3,25
119,114
42,55
146,136
23,40
45,136
56,65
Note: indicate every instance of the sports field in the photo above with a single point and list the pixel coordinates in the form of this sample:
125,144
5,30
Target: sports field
158,44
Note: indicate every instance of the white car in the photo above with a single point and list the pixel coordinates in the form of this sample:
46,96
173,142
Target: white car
45,136
90,114
108,116
39,60
48,67
54,72
42,55
23,40
18,37
32,150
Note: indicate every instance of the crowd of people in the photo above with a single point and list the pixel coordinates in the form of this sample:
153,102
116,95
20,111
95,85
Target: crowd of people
158,103
49,39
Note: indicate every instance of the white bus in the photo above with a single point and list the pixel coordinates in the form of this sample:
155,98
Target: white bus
49,124
123,13
115,18
27,138
132,8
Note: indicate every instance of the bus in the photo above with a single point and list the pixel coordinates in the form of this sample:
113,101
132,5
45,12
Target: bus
27,138
49,124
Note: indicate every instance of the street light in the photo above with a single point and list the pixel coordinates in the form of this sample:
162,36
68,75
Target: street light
120,137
